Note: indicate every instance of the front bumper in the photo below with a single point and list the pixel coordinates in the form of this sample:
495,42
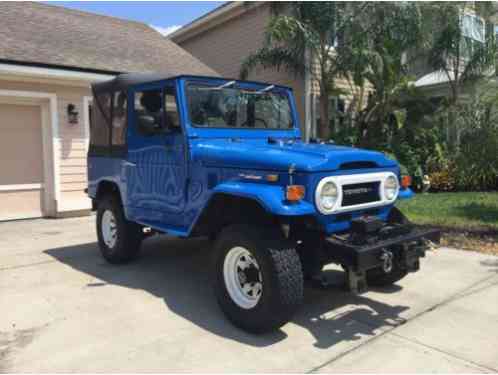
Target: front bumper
361,252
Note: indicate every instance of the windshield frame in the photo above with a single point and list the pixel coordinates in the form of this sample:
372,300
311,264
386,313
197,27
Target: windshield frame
243,85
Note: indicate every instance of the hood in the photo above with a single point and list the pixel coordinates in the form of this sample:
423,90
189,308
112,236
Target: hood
261,154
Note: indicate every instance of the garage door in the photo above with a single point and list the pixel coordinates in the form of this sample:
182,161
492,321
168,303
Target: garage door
21,162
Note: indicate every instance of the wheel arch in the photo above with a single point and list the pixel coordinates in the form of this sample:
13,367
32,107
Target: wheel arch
210,221
263,204
105,187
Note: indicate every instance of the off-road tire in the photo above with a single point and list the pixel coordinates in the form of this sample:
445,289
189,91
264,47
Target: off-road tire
282,277
377,276
310,255
129,234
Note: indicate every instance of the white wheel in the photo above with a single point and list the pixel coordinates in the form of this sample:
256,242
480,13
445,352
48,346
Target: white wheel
109,229
242,277
119,239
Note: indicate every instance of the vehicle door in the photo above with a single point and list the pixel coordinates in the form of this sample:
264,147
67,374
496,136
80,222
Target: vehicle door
156,165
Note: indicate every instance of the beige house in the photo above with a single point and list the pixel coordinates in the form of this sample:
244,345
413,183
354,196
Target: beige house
223,38
48,57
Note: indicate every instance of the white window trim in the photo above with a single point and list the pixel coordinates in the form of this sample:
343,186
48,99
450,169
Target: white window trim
87,101
476,16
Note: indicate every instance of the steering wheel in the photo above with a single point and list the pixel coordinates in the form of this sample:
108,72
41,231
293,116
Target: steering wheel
255,119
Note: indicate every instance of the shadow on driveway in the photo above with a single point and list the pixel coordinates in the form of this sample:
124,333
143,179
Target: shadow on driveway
492,264
178,271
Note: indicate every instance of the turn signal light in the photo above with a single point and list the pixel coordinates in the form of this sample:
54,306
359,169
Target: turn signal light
406,181
272,177
295,193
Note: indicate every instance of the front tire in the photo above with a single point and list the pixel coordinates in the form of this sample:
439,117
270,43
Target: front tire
258,278
119,239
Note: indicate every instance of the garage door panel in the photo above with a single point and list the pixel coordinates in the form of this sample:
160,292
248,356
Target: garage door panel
21,160
20,204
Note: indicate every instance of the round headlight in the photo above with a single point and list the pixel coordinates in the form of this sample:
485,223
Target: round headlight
391,187
328,196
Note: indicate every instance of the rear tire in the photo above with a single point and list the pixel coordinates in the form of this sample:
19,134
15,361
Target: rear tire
258,278
119,239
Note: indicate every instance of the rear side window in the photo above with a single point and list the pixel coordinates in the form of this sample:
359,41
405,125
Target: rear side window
100,121
119,119
108,124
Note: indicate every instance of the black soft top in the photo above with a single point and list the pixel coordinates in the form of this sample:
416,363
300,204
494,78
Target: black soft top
124,81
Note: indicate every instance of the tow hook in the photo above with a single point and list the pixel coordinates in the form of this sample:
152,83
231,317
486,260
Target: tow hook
387,260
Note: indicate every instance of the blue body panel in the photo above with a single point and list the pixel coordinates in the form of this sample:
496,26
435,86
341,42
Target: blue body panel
167,180
269,196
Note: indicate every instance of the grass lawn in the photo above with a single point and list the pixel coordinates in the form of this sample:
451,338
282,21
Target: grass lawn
468,220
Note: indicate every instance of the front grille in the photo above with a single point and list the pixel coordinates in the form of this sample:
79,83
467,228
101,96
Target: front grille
354,194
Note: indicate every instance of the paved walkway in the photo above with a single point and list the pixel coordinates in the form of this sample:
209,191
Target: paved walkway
64,309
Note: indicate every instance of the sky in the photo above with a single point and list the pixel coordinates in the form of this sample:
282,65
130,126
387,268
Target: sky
164,16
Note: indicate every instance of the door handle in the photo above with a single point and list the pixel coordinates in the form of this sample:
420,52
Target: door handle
129,164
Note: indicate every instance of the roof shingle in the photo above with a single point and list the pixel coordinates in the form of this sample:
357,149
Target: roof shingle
52,35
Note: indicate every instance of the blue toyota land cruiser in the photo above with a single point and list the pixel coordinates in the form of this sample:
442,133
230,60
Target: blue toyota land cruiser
202,156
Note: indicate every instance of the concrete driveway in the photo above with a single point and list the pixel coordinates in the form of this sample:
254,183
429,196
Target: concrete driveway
63,309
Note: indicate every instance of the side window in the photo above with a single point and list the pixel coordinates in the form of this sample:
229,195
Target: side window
99,124
148,112
172,117
119,119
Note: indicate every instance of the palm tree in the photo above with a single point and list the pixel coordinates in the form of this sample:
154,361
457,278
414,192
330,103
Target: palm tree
376,55
307,31
464,59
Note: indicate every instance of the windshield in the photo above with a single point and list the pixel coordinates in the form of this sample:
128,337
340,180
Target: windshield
226,106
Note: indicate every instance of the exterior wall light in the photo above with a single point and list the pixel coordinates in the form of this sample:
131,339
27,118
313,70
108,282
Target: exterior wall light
72,114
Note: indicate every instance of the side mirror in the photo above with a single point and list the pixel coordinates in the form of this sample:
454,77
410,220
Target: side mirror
148,125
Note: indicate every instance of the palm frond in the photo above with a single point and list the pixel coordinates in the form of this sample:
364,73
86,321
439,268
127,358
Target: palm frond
276,57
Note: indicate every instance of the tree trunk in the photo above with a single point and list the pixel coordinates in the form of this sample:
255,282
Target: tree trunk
454,136
324,130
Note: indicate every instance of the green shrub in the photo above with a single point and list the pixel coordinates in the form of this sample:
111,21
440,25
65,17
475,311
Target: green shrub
477,162
477,158
443,180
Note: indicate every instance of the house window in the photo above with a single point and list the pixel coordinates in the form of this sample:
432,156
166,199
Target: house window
336,113
337,108
473,27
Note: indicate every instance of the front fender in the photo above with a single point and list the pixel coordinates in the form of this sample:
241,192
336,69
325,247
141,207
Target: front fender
406,193
271,197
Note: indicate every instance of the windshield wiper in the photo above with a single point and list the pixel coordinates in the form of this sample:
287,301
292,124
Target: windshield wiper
225,85
267,88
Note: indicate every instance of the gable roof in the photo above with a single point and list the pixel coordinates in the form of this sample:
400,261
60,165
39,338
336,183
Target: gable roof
215,17
41,34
